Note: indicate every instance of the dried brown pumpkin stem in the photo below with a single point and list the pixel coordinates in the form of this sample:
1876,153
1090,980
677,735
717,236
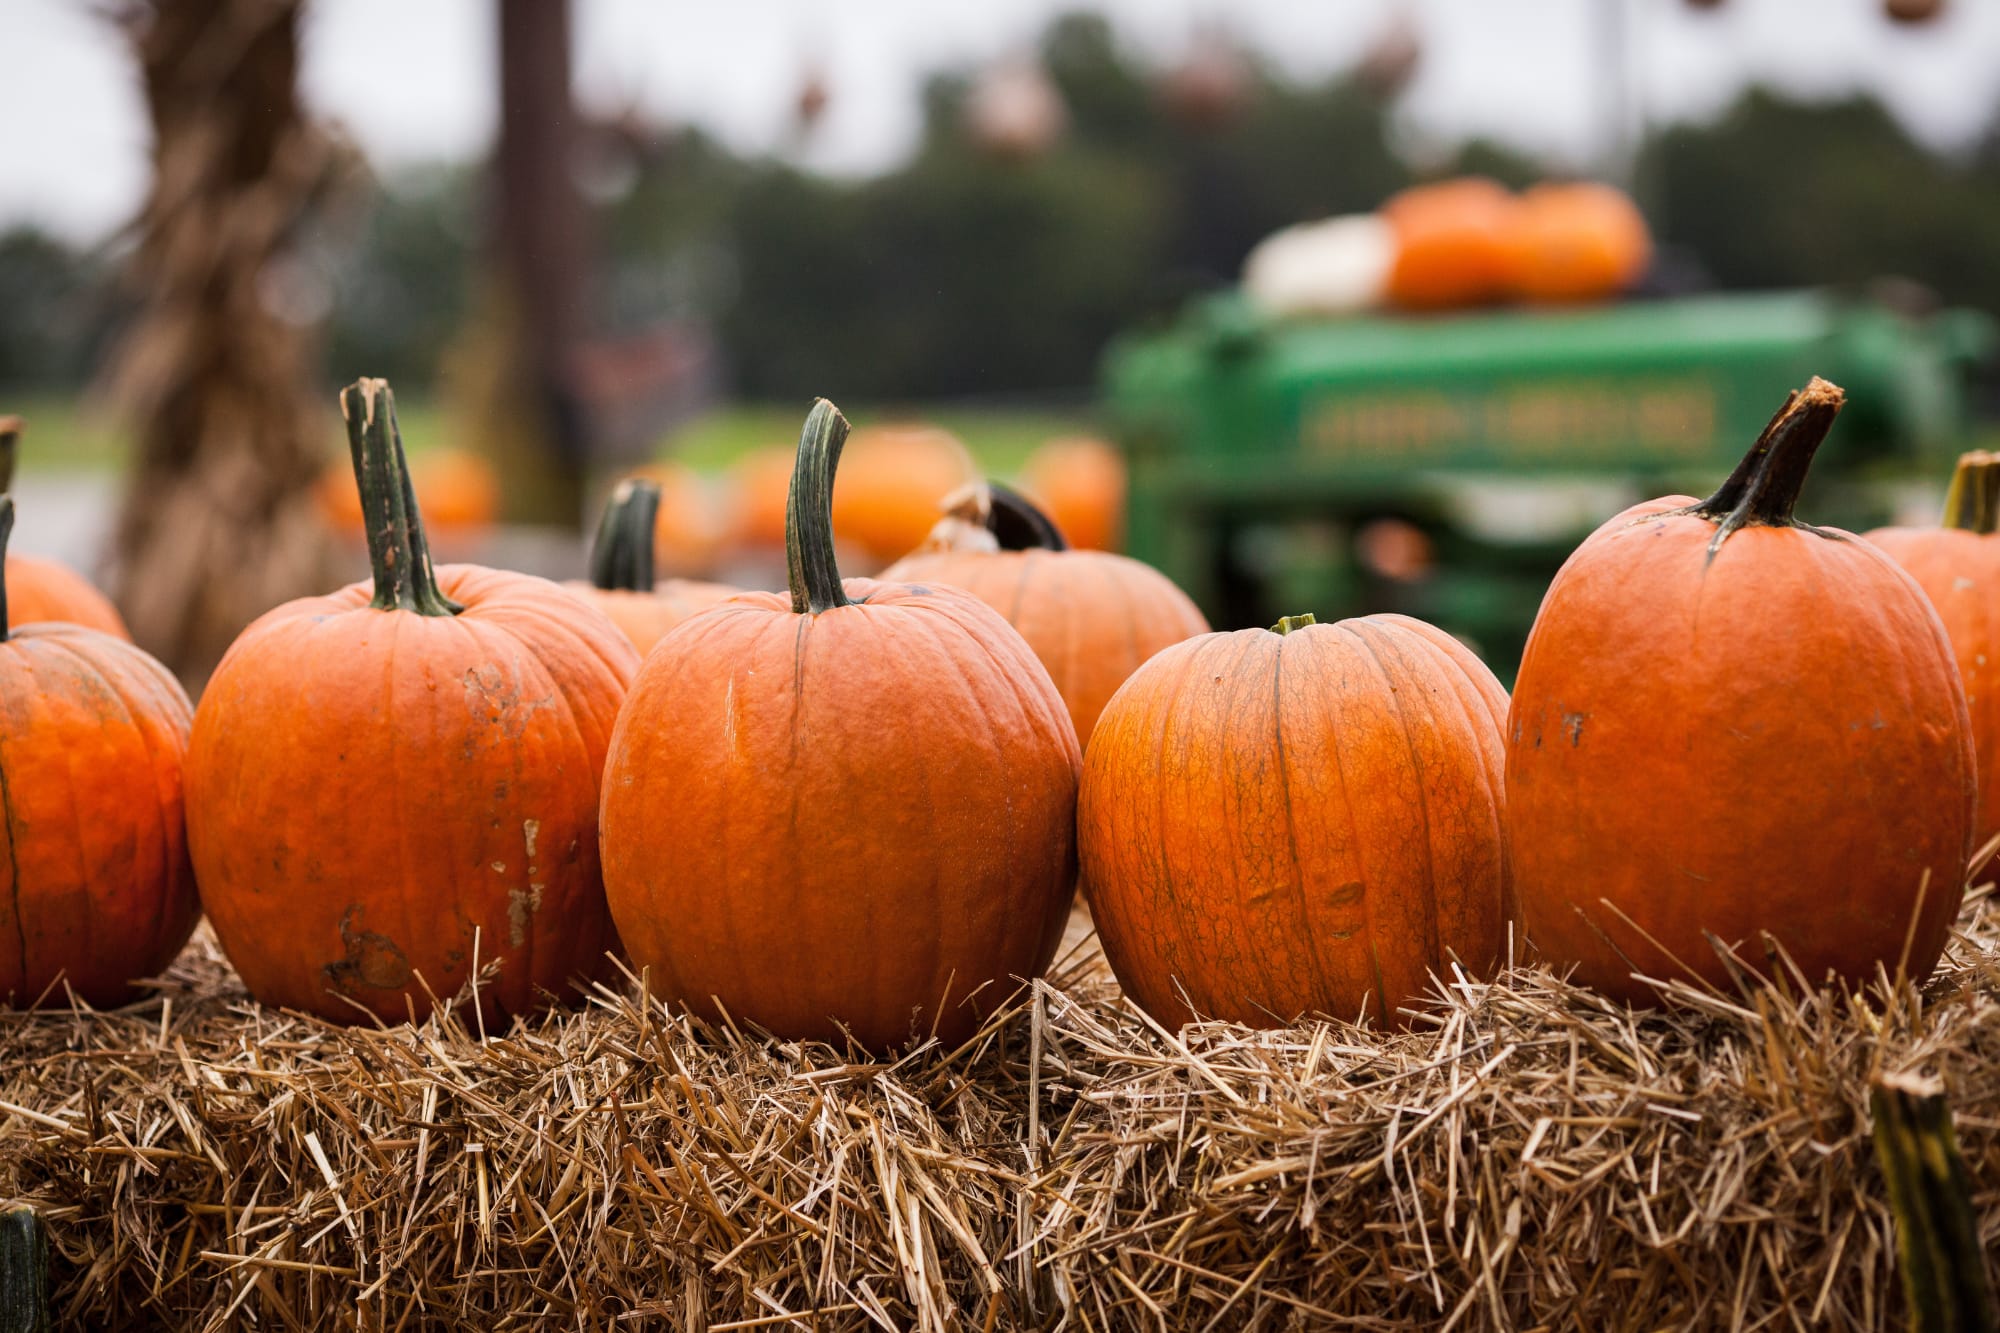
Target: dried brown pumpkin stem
1017,524
1764,488
815,577
397,551
1973,502
622,557
10,446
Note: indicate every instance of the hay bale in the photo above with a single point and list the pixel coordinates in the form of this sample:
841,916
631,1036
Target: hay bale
1526,1154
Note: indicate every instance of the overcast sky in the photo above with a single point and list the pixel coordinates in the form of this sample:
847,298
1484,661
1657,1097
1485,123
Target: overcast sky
413,80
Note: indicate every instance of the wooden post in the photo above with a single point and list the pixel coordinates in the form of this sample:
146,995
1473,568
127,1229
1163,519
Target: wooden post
24,1272
1937,1235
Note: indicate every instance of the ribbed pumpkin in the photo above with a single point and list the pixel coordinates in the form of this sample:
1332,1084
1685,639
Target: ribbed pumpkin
621,582
1958,567
392,783
1730,725
1452,243
1305,821
43,590
95,889
1575,241
1080,483
850,808
892,483
1092,617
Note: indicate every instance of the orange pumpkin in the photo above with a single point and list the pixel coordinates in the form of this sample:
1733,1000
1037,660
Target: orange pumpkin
1958,567
1301,821
846,810
621,571
1080,482
892,482
95,890
1452,243
1731,726
42,590
395,784
1092,617
759,483
689,528
1576,242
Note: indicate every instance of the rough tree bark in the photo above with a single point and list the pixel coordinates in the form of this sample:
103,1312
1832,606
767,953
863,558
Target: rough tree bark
218,522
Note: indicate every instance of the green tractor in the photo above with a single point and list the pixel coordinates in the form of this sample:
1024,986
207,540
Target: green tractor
1443,466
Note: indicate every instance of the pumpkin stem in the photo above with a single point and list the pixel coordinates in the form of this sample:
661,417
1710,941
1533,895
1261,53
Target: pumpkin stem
1973,502
622,557
1017,524
1289,623
6,534
24,1272
815,578
397,551
1764,488
10,444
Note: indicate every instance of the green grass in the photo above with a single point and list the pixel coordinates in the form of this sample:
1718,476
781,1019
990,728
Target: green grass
66,434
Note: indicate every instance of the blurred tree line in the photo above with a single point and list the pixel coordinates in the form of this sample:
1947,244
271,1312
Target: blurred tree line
960,274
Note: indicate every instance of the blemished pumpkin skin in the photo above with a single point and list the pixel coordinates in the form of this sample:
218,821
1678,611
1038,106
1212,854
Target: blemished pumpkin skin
846,810
95,889
1575,241
384,774
621,583
1306,820
42,590
1092,617
1452,243
1730,725
1958,567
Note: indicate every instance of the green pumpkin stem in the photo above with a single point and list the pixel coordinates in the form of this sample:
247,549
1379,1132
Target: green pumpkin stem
815,578
1289,623
1017,524
622,558
397,551
1764,488
1973,502
24,1272
10,445
6,535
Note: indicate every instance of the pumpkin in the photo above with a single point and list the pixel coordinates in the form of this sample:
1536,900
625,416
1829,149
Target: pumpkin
97,886
760,483
689,528
1303,820
1452,243
849,809
892,482
1334,266
1958,567
1576,242
1730,726
1080,483
1092,617
621,571
42,590
457,488
396,783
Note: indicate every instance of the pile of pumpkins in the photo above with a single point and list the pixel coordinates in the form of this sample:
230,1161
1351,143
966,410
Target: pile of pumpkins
1456,244
858,809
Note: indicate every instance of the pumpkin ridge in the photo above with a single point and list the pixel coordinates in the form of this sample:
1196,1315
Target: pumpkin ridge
1165,878
13,861
1430,898
1291,816
1360,853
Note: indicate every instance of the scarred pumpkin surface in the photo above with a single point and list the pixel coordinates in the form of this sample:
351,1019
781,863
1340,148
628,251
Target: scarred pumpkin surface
95,888
852,809
1274,825
1728,724
381,796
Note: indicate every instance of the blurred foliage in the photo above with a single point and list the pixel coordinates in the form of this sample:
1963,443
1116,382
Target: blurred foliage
959,275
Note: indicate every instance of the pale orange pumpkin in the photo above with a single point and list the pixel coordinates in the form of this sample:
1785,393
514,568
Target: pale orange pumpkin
1580,241
1079,481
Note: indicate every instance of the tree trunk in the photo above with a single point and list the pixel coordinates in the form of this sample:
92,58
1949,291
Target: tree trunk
215,374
